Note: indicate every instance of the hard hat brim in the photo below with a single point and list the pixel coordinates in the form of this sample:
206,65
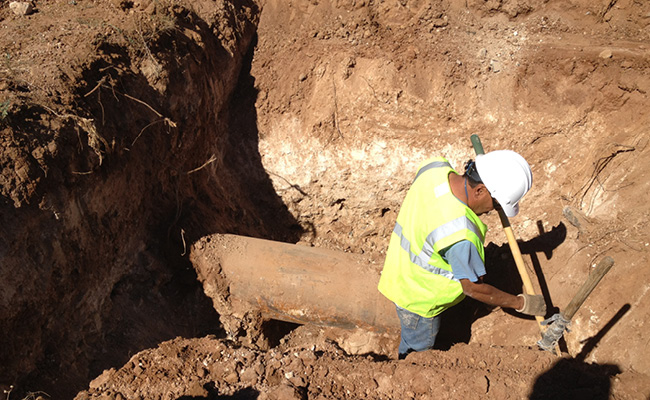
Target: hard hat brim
509,210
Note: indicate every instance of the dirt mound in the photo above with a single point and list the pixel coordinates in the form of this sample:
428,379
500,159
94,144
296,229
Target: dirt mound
132,129
318,369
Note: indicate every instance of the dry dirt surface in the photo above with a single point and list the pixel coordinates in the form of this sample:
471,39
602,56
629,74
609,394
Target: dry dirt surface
131,130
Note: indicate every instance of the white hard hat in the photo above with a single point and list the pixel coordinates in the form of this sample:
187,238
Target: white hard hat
507,176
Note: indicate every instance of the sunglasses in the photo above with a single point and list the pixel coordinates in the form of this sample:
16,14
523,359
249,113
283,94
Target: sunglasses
470,170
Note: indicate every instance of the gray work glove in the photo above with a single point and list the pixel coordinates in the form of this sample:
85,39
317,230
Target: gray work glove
534,304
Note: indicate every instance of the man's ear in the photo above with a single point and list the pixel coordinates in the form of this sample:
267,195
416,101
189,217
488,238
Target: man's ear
481,190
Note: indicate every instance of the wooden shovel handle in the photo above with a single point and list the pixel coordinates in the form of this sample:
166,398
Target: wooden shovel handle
592,280
512,241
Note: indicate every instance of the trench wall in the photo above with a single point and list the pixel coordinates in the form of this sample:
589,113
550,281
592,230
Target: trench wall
140,163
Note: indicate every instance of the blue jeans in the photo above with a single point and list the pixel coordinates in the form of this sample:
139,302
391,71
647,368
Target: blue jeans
418,333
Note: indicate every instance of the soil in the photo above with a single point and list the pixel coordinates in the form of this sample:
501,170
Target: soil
131,130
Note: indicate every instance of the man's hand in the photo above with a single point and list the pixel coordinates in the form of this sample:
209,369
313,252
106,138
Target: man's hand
533,304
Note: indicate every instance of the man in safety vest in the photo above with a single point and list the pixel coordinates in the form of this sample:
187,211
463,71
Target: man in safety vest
435,256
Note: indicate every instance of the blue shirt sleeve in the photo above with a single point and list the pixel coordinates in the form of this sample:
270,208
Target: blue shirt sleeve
465,261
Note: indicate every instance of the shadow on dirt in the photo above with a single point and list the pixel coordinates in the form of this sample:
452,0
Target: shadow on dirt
238,199
274,330
574,379
591,343
148,188
276,221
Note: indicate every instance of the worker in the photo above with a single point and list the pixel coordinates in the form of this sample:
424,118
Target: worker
436,256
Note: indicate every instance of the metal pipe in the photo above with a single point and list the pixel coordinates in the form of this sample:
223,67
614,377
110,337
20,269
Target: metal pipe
296,283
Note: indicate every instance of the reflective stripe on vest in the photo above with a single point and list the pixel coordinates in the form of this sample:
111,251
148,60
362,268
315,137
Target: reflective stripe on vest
435,164
429,246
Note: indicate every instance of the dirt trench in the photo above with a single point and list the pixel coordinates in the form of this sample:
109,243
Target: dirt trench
116,157
131,130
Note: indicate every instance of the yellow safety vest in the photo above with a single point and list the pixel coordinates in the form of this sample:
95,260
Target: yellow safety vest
415,276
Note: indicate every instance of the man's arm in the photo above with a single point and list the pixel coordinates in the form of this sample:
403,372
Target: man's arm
469,269
488,294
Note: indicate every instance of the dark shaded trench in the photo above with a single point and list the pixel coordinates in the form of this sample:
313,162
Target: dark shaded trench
124,282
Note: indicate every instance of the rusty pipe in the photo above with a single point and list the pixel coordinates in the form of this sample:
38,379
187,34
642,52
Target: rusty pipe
295,283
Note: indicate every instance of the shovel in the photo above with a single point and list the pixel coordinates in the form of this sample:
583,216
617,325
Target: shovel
512,241
559,322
